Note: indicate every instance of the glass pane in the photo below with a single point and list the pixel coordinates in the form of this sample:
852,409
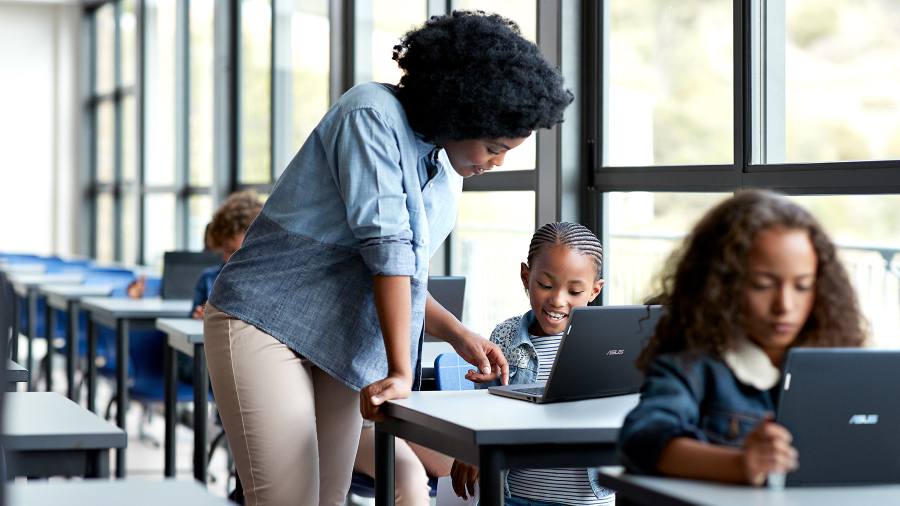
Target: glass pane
159,227
379,26
256,91
866,229
106,141
670,98
644,228
490,241
128,138
127,22
523,12
309,28
201,116
106,49
105,238
129,230
159,115
842,80
201,210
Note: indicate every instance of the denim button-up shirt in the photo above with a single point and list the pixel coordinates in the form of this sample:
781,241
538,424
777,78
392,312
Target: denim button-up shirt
364,196
513,338
689,395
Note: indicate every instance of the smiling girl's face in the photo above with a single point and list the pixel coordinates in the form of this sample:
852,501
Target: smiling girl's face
559,279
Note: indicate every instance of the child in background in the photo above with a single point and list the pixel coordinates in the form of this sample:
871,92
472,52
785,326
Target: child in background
562,272
755,277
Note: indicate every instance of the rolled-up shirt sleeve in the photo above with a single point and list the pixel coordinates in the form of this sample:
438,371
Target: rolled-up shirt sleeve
669,408
371,183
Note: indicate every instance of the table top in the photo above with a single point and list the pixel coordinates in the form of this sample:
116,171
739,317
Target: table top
122,307
50,421
15,373
481,418
111,493
22,282
186,329
59,294
27,268
675,491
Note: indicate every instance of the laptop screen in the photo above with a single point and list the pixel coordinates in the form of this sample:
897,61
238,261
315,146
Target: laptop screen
842,408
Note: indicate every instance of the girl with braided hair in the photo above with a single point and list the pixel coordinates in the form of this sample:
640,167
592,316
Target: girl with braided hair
562,272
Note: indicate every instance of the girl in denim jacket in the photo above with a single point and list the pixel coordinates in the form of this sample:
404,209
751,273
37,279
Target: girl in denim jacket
755,277
562,272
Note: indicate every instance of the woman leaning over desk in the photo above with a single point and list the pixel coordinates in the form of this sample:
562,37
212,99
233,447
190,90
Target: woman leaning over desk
319,315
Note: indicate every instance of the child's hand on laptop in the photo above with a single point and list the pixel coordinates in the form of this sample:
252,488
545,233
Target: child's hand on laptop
767,449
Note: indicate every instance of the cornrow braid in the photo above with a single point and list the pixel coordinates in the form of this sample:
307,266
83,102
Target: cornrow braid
570,235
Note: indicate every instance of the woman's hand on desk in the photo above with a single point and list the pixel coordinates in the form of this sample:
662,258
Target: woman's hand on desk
484,355
767,449
395,386
464,477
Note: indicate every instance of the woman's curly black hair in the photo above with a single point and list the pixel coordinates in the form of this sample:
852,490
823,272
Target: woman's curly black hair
704,289
471,75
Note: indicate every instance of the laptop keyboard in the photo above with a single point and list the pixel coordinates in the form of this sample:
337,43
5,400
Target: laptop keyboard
530,391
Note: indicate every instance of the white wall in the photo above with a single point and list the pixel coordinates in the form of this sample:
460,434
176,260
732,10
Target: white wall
39,47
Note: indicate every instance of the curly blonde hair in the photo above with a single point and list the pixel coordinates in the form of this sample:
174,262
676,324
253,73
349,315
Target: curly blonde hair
233,217
704,289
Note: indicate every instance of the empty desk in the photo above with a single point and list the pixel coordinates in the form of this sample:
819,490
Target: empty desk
26,286
499,433
67,298
186,335
46,434
15,374
123,315
112,493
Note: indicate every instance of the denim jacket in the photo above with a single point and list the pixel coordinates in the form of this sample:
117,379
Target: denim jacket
698,396
364,196
513,338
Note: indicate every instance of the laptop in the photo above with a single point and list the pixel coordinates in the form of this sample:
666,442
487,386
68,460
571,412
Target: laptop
596,356
449,291
843,410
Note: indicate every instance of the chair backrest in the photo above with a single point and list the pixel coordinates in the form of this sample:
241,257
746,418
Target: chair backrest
450,292
8,335
181,270
450,372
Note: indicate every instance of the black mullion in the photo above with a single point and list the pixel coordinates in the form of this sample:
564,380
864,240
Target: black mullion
117,142
182,165
743,114
234,94
92,113
139,108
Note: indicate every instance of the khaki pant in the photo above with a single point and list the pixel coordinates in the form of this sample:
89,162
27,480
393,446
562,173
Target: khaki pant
292,428
411,462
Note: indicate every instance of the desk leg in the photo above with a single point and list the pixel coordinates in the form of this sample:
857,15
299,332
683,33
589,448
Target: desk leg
384,467
71,348
122,341
30,333
49,334
91,365
170,397
492,463
201,413
98,464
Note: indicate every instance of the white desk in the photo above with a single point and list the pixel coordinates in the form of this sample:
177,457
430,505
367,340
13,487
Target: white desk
67,298
46,434
26,285
186,335
651,490
112,493
123,315
499,433
15,374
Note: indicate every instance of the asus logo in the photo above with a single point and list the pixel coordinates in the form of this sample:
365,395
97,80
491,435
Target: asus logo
863,419
615,352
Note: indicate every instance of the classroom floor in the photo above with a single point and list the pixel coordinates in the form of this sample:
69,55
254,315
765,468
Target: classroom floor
144,455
